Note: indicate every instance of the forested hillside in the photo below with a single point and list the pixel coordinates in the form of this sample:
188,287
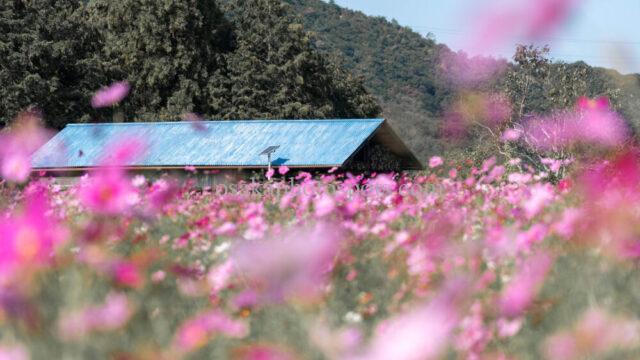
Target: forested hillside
231,59
251,59
404,70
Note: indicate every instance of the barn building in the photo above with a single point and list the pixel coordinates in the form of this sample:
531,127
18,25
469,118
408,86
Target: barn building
232,149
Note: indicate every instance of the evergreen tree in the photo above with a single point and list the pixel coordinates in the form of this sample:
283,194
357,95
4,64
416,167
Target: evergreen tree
44,60
172,53
275,71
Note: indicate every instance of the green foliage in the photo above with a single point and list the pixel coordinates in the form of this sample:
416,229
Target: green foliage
45,50
172,53
398,65
179,56
275,72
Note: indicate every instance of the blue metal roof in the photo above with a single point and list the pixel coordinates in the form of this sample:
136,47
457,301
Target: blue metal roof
321,143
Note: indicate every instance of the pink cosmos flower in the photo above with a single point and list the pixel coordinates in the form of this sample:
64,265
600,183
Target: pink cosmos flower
511,135
419,334
324,205
112,315
596,334
599,104
13,353
110,95
196,332
161,193
504,21
292,265
435,161
541,196
29,238
23,137
591,124
283,170
269,173
128,274
16,167
108,192
218,276
520,292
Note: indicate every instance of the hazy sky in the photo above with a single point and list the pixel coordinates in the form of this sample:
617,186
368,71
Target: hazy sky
601,32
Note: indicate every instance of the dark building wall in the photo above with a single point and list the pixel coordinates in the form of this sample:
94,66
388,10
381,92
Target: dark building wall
374,157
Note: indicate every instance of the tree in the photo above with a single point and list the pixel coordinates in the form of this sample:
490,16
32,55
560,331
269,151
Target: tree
172,53
45,50
276,73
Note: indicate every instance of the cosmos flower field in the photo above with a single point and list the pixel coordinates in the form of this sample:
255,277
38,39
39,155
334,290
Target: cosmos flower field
506,258
493,261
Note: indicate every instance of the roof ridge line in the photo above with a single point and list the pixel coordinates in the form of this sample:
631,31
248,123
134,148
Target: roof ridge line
223,121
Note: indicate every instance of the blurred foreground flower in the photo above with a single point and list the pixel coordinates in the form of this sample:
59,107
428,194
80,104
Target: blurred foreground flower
112,315
593,123
29,239
110,95
420,334
108,190
198,331
22,138
13,353
501,22
292,266
521,291
596,334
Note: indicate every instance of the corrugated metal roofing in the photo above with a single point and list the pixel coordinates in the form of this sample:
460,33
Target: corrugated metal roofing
320,143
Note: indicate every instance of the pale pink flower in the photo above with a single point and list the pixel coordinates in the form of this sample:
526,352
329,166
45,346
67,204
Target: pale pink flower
511,135
282,170
293,265
435,161
418,334
596,334
161,193
588,125
199,330
23,137
541,196
113,314
13,353
520,292
324,205
498,24
218,276
269,173
110,95
508,328
16,167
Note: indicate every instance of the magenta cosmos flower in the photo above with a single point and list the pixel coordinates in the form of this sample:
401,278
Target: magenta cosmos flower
108,192
110,95
29,239
435,161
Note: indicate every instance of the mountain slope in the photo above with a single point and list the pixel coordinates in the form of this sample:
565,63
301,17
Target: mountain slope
398,66
401,68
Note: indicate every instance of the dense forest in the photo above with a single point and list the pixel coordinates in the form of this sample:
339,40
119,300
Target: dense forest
233,59
237,59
